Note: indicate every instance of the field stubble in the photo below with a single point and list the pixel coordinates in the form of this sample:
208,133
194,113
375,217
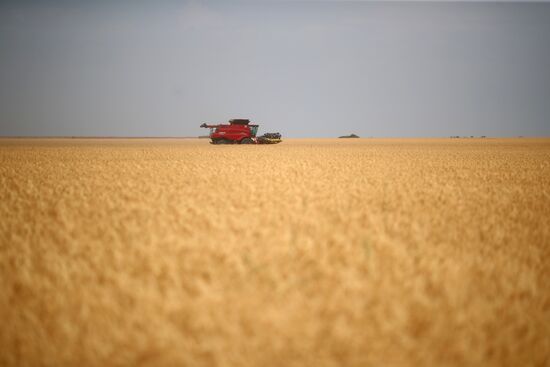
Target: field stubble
311,252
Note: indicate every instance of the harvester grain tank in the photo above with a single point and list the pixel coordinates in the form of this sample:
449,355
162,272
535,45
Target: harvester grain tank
239,131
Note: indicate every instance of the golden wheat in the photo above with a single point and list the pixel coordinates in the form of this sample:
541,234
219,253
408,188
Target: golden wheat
364,252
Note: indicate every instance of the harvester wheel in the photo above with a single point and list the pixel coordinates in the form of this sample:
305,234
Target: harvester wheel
247,141
223,141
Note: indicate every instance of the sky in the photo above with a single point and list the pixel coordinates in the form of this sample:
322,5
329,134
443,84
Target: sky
302,68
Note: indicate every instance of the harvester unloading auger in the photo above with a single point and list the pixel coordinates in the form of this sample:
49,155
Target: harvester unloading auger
240,131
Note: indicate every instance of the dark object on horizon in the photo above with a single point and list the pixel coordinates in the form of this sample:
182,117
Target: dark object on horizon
348,136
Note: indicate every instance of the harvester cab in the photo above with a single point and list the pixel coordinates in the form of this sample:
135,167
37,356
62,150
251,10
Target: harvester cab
239,131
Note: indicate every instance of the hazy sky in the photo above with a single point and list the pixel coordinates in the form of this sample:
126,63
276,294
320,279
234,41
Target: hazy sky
309,68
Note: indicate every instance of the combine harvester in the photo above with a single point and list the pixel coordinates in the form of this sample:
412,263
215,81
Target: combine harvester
240,131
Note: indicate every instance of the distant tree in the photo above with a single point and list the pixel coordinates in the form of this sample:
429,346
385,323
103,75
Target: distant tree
348,136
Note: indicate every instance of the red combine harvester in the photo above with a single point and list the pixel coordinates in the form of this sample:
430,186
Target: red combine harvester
240,131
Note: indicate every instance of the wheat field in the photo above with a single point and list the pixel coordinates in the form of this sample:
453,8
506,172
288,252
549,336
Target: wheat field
313,252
